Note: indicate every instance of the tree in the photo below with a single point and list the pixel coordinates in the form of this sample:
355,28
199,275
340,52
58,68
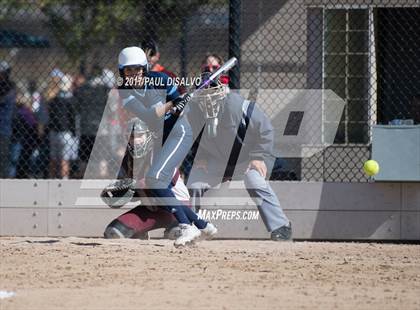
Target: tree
80,26
85,27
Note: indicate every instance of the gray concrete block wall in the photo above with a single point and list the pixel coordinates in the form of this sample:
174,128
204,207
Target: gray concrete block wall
351,211
24,221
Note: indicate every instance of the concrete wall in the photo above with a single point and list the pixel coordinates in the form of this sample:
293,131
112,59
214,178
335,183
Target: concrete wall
353,211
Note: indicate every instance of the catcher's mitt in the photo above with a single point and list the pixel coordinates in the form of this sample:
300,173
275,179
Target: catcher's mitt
118,193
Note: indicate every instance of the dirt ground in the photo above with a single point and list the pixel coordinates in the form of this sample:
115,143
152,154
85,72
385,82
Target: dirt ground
85,273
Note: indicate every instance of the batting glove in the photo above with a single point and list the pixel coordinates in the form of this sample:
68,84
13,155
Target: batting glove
181,102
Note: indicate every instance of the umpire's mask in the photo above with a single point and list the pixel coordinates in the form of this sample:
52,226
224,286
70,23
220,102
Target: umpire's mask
210,100
141,138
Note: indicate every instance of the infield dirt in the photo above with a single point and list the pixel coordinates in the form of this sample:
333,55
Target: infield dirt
86,273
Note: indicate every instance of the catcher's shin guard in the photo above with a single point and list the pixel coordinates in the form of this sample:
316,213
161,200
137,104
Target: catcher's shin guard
117,230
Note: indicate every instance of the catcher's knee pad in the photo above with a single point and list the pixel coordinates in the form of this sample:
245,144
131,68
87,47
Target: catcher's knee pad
118,230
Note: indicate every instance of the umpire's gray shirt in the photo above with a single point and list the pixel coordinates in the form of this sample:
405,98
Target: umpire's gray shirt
236,117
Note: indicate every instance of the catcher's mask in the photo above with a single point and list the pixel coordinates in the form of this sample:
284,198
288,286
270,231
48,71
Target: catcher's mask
210,100
141,138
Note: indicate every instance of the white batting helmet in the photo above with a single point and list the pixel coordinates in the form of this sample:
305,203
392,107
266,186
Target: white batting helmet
132,56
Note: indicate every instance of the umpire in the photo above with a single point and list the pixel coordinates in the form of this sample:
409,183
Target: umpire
223,120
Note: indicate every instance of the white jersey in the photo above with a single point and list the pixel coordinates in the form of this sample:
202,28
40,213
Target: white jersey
178,187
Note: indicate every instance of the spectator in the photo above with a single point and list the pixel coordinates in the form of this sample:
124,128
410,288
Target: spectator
54,84
7,106
90,102
116,116
153,56
78,82
211,63
25,136
109,133
40,163
108,78
63,144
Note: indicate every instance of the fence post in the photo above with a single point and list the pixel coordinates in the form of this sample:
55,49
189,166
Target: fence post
183,47
235,7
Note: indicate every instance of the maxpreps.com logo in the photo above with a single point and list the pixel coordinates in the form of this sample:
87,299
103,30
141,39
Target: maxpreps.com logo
229,215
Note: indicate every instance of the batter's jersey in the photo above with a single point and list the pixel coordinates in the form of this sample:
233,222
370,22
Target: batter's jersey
157,90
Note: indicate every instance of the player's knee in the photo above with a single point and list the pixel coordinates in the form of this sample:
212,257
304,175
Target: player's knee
153,182
118,230
253,180
149,181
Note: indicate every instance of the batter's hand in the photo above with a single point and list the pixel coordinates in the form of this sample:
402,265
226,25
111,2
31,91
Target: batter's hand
258,165
180,103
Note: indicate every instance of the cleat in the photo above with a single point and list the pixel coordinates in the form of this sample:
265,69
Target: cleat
208,232
172,233
283,233
189,233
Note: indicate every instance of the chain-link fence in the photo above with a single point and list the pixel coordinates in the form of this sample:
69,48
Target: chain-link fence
59,70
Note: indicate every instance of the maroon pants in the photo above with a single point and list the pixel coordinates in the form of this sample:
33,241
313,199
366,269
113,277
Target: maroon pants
142,220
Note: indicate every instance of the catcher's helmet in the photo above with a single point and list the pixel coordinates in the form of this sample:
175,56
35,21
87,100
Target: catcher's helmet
141,138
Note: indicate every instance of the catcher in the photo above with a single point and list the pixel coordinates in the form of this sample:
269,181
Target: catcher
137,222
